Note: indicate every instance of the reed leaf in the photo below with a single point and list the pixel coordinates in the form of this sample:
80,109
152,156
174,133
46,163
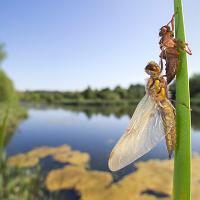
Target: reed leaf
182,160
3,126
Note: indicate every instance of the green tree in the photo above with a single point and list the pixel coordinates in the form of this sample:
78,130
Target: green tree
135,91
107,94
89,93
121,92
2,53
7,91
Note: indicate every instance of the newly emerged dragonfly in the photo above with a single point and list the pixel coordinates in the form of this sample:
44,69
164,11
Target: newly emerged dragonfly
153,119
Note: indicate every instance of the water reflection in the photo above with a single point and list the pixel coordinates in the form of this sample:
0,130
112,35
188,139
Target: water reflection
117,111
120,111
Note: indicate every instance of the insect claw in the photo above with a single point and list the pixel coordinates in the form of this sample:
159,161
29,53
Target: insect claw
160,105
170,154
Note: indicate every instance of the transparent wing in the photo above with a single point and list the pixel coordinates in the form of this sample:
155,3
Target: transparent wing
145,130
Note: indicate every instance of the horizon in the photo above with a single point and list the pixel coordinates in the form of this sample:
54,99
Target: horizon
68,46
95,88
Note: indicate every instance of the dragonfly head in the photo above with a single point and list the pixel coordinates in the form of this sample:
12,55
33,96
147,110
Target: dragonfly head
164,30
153,69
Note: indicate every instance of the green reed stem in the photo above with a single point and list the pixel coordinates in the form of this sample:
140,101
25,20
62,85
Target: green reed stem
182,160
3,131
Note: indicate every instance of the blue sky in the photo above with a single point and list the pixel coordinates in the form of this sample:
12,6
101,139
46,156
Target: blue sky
70,44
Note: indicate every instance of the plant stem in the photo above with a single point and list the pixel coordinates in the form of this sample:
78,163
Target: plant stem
182,160
3,132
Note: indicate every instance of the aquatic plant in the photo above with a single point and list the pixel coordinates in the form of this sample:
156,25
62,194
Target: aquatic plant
144,184
62,154
17,183
3,124
182,160
97,185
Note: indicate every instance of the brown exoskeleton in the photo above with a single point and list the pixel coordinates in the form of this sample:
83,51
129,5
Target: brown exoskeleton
169,49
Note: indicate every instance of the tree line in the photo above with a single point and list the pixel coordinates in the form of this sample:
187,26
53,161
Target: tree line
134,92
102,96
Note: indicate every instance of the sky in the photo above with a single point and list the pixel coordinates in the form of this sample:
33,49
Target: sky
72,44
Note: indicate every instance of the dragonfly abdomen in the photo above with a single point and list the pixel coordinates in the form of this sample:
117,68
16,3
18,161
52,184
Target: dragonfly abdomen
169,122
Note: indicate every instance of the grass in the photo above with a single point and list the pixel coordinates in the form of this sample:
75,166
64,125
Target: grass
15,183
25,184
182,160
10,116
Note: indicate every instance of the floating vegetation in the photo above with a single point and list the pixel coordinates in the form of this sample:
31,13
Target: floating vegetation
95,185
42,152
86,182
151,181
73,157
61,154
23,160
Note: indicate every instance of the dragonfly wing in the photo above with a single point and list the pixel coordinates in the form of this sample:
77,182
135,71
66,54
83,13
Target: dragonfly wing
145,130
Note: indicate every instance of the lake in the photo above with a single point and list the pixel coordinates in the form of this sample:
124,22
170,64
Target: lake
91,130
94,130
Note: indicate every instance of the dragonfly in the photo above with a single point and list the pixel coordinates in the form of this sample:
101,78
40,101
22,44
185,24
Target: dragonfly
153,120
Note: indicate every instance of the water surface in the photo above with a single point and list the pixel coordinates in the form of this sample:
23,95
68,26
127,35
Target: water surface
84,130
